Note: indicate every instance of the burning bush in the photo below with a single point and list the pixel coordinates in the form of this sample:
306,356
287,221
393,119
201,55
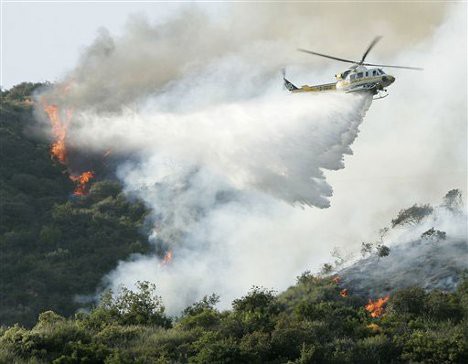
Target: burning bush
376,308
60,122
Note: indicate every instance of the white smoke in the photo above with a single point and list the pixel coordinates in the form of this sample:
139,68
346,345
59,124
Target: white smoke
278,144
416,258
224,158
219,178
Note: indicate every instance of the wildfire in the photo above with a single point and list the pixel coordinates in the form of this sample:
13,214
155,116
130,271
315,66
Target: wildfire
60,122
167,258
59,130
82,181
375,308
344,293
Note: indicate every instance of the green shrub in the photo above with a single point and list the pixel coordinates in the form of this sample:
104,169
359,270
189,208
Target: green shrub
211,348
443,306
408,301
376,349
428,346
257,309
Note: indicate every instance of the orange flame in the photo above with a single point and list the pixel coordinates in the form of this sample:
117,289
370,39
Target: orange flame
82,181
167,258
375,308
59,130
58,149
344,293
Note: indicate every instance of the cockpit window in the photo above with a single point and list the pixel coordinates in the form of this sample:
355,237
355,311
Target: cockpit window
359,75
345,73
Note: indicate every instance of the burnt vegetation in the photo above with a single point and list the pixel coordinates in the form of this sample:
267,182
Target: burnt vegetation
56,247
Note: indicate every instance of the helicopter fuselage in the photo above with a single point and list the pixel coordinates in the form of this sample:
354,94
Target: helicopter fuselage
363,79
355,79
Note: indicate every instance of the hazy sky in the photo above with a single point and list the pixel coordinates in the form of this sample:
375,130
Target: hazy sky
42,40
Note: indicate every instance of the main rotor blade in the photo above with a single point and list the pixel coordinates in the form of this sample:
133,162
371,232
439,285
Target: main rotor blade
373,43
388,66
326,56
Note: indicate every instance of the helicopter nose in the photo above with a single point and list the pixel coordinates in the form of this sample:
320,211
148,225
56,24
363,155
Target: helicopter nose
388,79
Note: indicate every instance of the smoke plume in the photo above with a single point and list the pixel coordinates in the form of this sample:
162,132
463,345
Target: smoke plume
213,176
417,257
225,159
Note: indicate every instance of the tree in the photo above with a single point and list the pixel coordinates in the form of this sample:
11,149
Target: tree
408,301
433,235
443,306
382,232
128,307
448,345
206,303
413,215
326,269
257,309
335,253
212,348
382,250
366,248
305,277
22,91
202,314
453,200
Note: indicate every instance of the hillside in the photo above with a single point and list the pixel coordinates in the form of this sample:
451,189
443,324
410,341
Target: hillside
427,264
54,246
405,302
309,323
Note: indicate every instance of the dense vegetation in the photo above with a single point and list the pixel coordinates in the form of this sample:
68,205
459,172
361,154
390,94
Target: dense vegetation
53,246
309,323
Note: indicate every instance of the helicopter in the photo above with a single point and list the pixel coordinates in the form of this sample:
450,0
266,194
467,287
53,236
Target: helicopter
357,78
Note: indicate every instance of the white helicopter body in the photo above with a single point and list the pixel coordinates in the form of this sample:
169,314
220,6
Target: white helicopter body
358,78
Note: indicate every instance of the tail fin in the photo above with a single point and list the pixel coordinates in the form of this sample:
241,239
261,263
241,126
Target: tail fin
288,84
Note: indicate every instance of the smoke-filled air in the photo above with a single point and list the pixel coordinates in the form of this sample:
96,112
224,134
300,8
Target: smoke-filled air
245,182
